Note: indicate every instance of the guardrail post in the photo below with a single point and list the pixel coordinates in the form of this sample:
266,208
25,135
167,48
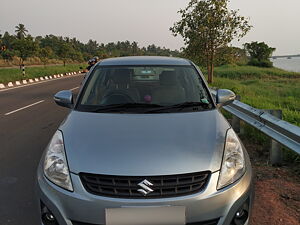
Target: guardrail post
236,122
276,150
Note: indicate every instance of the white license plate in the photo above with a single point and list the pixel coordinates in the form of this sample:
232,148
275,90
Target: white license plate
166,215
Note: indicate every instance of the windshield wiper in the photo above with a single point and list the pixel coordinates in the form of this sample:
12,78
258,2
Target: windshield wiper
181,106
123,107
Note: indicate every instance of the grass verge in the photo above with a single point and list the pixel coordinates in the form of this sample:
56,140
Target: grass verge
252,72
14,74
263,88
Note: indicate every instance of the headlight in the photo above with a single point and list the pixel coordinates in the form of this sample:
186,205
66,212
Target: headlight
55,164
233,165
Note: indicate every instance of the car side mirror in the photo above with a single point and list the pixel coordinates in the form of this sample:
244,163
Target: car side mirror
224,97
64,98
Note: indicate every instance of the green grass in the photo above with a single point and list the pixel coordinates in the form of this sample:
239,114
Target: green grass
14,74
263,88
252,72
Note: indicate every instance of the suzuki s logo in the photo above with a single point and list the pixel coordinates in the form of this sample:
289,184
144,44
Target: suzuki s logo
145,187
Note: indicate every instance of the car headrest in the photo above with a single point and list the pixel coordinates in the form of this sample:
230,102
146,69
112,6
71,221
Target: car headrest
122,76
168,78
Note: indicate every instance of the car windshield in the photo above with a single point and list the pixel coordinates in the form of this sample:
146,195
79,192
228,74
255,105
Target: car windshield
144,89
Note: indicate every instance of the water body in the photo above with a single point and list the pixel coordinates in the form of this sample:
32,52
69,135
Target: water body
292,64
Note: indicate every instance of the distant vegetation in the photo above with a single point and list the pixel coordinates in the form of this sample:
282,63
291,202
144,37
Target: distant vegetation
22,47
259,53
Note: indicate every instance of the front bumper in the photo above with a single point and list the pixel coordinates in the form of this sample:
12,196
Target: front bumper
89,209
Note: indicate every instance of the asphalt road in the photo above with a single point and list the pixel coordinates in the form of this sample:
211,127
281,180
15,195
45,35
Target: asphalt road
28,119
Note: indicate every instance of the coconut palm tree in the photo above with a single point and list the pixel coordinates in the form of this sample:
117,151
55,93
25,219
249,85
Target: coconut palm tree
21,31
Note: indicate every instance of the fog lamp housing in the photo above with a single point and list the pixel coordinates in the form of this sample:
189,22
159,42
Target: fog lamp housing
241,215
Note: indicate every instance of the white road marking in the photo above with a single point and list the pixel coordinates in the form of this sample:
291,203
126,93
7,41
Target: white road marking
25,107
72,89
39,83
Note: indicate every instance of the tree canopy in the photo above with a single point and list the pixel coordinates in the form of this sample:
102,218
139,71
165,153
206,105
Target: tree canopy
21,31
24,48
206,26
259,53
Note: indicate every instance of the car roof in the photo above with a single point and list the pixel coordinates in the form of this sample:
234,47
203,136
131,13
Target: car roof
145,60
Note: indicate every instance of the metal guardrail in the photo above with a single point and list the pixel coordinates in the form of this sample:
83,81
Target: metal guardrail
279,130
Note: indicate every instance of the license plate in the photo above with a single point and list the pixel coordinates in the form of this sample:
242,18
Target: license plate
166,215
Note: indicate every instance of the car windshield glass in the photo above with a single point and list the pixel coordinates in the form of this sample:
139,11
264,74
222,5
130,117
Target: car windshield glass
144,89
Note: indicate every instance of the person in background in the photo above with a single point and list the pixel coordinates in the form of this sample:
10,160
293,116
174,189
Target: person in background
92,62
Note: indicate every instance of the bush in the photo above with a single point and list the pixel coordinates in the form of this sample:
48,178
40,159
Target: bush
263,63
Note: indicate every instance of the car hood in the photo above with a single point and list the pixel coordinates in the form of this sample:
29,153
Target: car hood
144,144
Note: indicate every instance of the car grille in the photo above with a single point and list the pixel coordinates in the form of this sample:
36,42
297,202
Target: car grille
210,222
127,186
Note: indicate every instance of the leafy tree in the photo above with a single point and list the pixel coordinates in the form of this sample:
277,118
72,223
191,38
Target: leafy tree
259,53
8,40
230,55
91,47
52,41
207,25
152,50
45,54
5,45
38,40
21,31
25,48
7,55
65,52
135,48
76,56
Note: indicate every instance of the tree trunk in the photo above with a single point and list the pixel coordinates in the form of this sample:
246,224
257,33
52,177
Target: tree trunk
208,73
211,68
208,65
20,62
211,73
64,62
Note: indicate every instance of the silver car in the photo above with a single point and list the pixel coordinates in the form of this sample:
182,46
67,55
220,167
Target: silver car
145,144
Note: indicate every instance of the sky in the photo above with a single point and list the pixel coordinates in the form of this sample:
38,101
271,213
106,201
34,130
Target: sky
275,22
